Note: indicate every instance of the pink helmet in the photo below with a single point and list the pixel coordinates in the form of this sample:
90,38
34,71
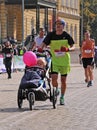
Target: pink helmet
30,59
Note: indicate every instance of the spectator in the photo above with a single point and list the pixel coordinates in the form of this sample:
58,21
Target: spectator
21,50
15,50
39,39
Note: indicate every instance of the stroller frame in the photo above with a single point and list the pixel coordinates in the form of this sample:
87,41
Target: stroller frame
38,94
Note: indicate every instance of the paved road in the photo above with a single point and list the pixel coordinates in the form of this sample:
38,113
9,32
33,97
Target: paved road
79,112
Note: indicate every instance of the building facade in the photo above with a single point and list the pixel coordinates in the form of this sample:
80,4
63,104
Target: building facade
69,10
19,22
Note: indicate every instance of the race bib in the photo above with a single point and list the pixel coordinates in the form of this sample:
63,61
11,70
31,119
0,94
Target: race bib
8,55
87,51
59,53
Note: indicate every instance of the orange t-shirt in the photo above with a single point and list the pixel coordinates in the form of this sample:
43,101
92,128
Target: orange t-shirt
88,48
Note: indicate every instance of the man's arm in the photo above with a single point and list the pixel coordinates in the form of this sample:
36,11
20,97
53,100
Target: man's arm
72,47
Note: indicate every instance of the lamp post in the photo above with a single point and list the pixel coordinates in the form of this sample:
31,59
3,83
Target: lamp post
23,22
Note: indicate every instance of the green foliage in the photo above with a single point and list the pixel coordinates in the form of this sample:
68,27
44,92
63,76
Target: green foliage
89,8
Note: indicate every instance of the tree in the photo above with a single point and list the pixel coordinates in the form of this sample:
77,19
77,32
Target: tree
89,16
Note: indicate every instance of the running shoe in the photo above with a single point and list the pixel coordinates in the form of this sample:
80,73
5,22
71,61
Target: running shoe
57,92
62,101
89,84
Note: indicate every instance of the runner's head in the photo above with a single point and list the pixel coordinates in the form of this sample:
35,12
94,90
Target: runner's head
60,21
60,24
7,44
87,35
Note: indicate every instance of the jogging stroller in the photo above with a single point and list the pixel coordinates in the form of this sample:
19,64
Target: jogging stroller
37,90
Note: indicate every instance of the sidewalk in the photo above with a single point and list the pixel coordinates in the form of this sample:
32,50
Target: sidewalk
79,112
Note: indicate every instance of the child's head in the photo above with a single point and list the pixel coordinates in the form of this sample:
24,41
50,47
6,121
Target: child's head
30,59
41,62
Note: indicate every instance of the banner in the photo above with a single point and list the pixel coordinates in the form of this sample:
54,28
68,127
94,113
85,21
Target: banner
2,66
18,62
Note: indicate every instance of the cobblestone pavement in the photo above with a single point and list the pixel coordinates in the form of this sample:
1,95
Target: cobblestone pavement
79,112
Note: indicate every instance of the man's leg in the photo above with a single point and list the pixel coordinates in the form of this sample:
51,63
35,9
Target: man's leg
86,75
9,69
54,78
6,66
63,89
63,84
90,72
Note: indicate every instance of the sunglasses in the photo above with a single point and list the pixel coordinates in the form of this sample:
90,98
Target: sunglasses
59,24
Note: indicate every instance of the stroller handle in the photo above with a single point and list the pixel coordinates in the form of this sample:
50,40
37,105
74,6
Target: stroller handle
46,53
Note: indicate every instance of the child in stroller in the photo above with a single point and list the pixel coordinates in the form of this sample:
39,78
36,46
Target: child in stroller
33,83
33,75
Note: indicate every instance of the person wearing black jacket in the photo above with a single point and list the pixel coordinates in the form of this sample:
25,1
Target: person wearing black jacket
8,53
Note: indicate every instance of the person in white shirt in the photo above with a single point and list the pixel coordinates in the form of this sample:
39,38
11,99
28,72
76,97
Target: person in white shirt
39,39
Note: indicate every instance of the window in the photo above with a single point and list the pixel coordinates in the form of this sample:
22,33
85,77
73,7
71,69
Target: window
76,4
62,2
67,3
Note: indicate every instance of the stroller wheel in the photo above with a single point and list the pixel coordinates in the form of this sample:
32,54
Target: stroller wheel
19,98
31,99
54,100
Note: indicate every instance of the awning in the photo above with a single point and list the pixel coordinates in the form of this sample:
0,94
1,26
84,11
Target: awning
33,3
